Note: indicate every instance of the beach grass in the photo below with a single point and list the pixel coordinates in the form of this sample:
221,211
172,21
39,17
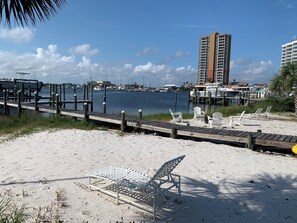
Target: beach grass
27,124
11,214
165,117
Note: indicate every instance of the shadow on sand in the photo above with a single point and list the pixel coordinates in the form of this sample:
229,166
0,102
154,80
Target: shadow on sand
264,198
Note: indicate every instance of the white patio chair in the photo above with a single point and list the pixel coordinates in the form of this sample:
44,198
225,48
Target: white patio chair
216,120
134,187
198,113
236,120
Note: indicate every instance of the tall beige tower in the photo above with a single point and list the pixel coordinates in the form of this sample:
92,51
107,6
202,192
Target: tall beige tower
214,58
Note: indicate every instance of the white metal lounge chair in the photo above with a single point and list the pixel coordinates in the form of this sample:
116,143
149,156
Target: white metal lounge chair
134,187
267,112
198,113
216,120
236,120
256,114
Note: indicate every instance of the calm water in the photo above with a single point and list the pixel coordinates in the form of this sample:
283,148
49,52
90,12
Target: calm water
131,102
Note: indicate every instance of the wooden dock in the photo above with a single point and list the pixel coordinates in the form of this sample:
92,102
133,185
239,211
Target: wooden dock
251,140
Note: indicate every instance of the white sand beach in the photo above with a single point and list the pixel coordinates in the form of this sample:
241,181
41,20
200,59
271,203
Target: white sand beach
46,171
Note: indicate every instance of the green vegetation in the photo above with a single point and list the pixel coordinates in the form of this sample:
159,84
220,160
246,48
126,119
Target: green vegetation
26,12
165,117
278,105
11,214
286,82
27,124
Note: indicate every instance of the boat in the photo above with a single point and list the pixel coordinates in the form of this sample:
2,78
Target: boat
214,89
13,85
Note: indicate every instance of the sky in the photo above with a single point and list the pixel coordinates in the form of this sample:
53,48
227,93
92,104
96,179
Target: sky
150,42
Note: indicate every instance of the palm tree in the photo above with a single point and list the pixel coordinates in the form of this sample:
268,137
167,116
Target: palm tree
286,80
28,11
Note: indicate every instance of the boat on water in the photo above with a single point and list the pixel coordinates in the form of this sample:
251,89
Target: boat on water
214,89
13,85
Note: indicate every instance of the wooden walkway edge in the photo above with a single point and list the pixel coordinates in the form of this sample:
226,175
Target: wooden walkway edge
249,139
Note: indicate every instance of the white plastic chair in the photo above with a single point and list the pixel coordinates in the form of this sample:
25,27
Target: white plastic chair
198,113
216,120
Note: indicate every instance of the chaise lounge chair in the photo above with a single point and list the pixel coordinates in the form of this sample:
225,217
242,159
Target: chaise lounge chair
177,118
256,114
134,187
266,113
236,120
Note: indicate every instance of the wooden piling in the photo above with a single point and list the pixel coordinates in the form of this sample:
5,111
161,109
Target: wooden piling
173,133
250,141
92,98
124,122
64,95
5,108
35,101
104,95
104,107
19,103
23,91
209,98
85,92
75,102
248,99
57,105
53,99
86,117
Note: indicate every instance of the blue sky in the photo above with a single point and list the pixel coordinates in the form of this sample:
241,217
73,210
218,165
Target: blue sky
151,42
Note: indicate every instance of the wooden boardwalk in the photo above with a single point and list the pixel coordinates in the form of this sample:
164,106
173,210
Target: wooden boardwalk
285,142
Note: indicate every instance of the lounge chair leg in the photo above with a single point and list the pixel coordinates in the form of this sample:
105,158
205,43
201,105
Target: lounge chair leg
118,195
154,201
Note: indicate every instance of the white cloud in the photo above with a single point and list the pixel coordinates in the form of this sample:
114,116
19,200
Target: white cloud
251,70
85,62
151,68
17,35
83,50
49,65
147,52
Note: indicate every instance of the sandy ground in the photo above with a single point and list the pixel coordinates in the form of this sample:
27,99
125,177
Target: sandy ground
46,172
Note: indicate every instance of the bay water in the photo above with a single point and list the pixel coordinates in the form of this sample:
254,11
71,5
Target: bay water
131,102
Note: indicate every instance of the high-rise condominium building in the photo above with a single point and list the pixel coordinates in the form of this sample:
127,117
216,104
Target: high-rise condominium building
214,58
289,52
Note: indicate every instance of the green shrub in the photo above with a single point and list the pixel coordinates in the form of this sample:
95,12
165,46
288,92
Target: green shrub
278,104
